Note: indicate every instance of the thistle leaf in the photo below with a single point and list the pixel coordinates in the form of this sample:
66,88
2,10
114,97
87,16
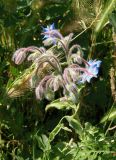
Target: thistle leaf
21,84
104,15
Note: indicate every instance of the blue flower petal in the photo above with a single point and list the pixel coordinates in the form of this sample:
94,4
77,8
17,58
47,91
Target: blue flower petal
51,34
52,26
93,69
88,78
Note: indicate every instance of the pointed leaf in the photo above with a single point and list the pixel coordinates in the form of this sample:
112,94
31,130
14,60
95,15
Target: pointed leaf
111,115
55,131
60,105
75,124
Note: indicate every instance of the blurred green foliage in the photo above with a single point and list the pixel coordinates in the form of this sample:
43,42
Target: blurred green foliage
30,130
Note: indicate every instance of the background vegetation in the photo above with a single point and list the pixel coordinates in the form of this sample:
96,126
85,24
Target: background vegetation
28,131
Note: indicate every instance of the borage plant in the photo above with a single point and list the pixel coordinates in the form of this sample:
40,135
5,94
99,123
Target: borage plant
57,74
60,68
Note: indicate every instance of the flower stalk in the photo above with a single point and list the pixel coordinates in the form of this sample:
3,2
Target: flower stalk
56,74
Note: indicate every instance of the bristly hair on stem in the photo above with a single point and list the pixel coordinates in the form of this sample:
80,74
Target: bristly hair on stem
66,76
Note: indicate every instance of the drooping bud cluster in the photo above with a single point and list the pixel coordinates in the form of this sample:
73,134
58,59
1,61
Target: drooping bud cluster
64,76
20,55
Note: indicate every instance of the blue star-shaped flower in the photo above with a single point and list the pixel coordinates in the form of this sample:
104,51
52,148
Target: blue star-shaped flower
51,35
47,31
91,71
49,28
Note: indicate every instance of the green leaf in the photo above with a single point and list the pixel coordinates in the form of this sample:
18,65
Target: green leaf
75,124
60,105
14,71
43,142
55,131
111,115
